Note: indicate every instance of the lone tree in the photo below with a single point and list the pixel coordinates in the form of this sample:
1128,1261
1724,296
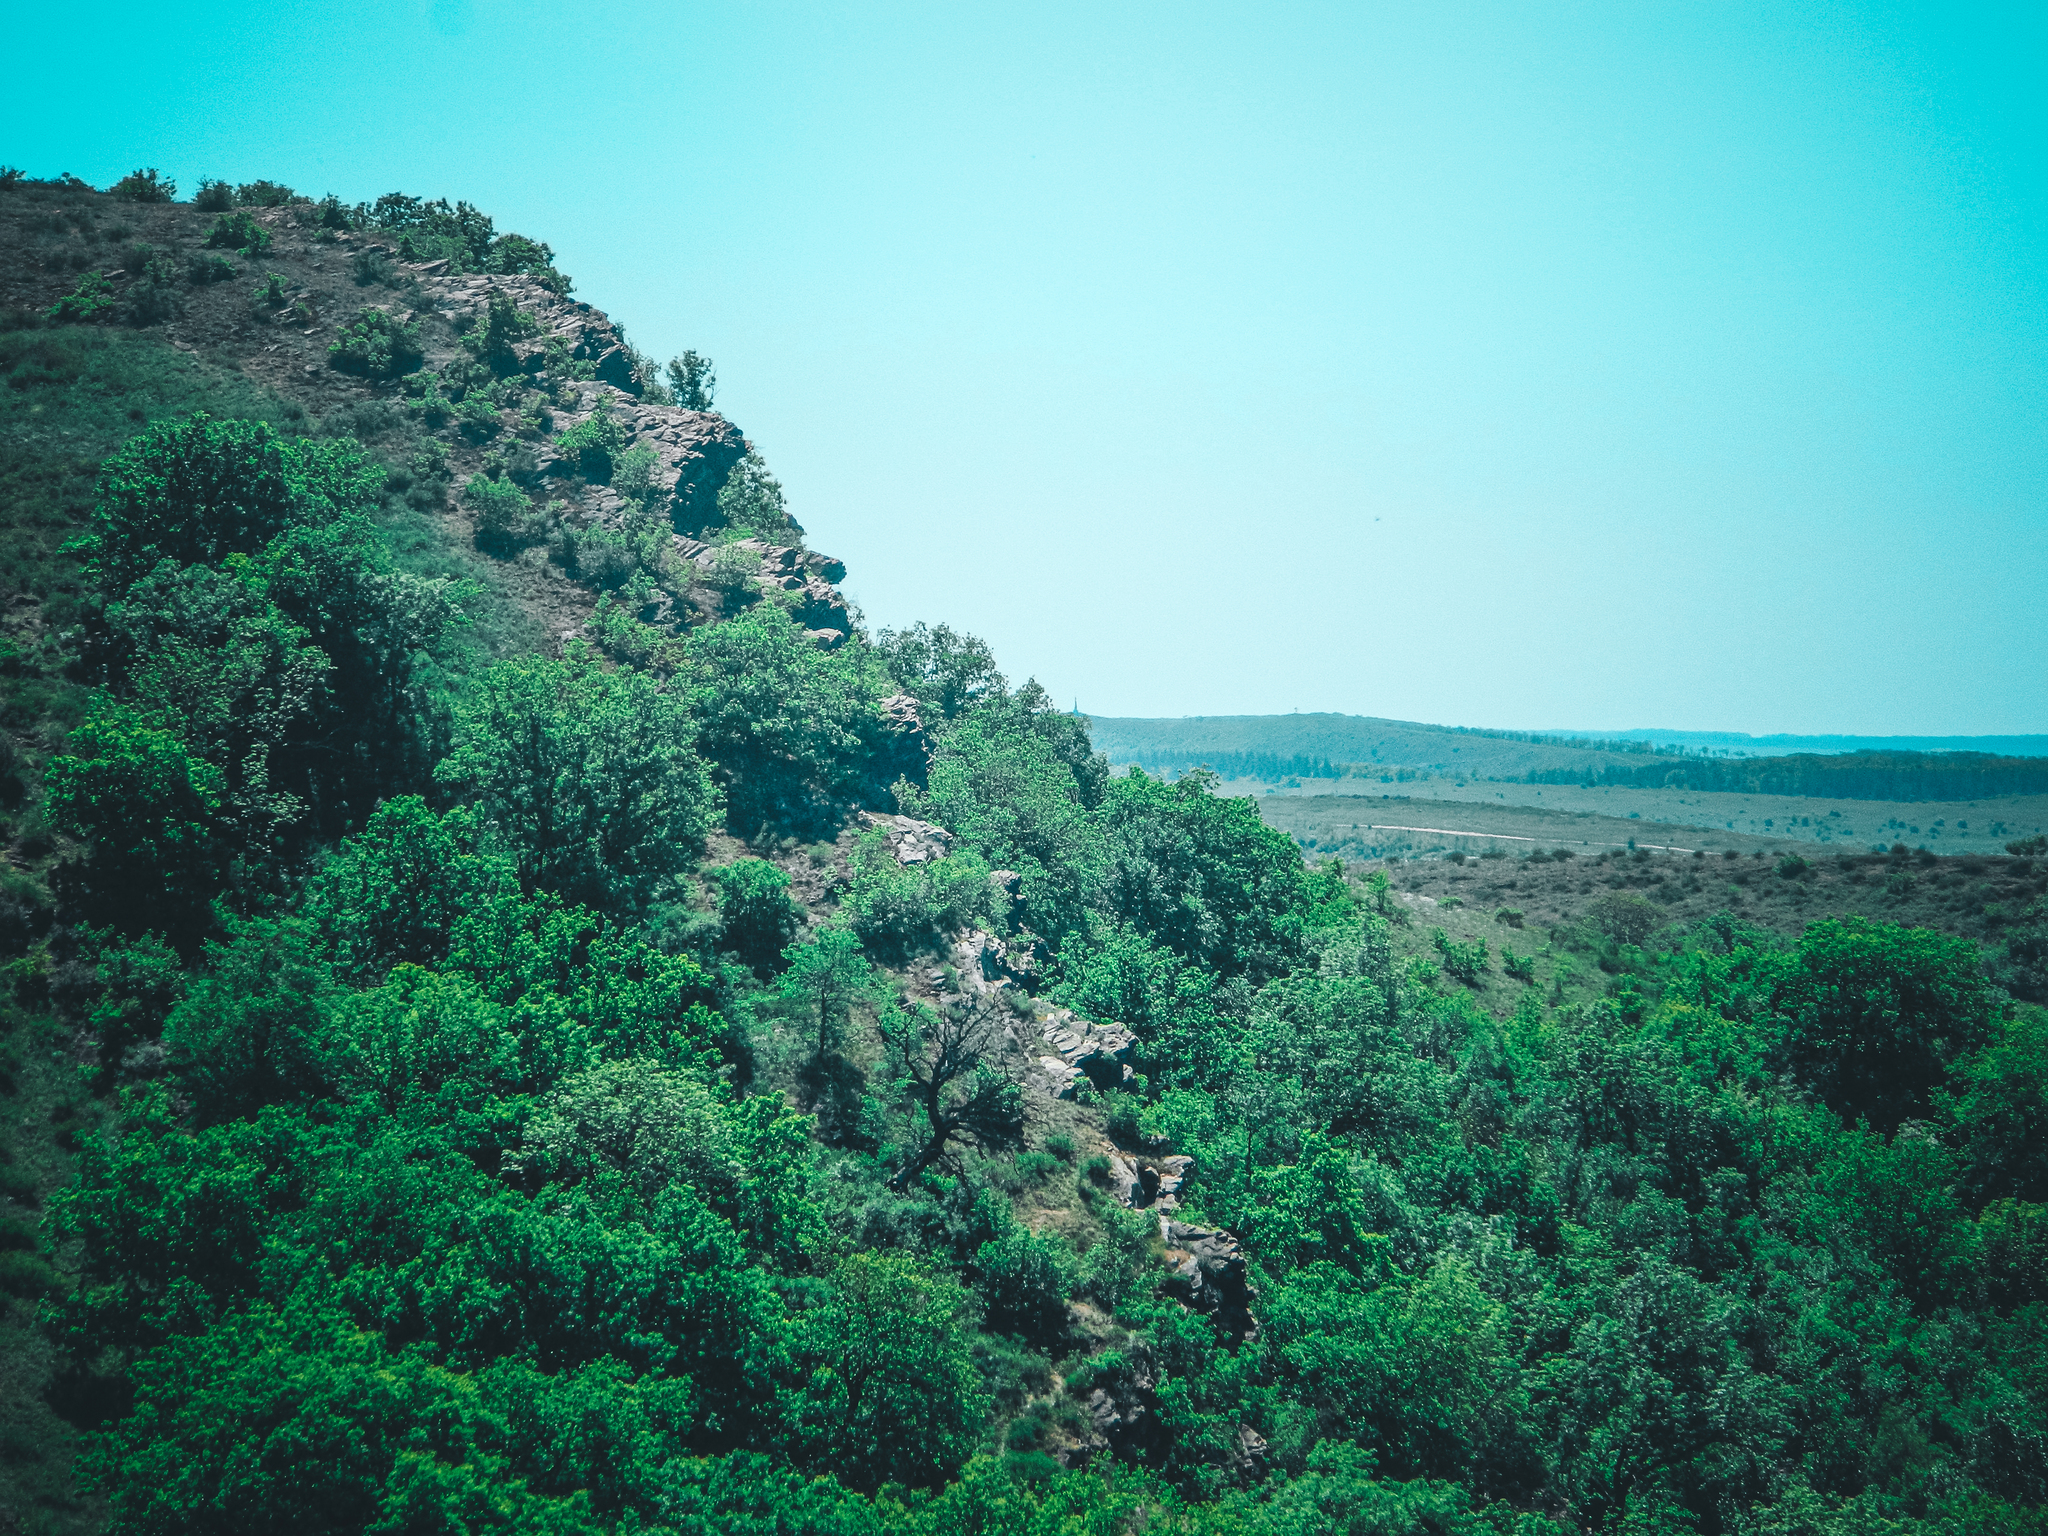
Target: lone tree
826,977
945,1063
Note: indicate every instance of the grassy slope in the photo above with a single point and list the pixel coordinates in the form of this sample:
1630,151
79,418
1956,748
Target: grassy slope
1555,901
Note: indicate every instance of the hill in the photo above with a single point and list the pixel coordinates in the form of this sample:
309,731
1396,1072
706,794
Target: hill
519,1014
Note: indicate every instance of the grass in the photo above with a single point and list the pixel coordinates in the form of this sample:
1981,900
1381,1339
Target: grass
1553,903
1337,815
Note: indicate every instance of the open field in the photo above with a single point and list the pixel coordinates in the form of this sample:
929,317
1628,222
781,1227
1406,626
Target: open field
1543,909
1343,811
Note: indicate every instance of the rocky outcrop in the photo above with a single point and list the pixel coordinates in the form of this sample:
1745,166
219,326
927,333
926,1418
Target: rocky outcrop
1145,1183
820,607
1209,1274
911,840
1083,1051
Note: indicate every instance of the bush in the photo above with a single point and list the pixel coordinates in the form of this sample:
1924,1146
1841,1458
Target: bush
370,268
1509,917
478,419
1792,867
2025,847
1626,917
91,299
238,232
156,298
145,187
761,918
592,443
265,194
214,196
602,558
202,269
504,515
1464,961
377,346
897,909
1521,967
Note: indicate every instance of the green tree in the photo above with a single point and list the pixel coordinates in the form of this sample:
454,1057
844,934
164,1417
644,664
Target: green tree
824,979
790,729
760,916
587,776
395,892
1874,1014
889,1393
692,380
152,811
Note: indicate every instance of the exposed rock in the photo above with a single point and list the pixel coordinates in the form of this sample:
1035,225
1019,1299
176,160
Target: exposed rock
1085,1049
911,840
1209,1274
909,748
1143,1183
1246,1458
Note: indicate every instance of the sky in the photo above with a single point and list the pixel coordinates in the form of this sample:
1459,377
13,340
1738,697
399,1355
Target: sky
1586,366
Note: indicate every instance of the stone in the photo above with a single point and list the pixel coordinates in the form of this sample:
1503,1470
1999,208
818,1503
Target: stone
1209,1274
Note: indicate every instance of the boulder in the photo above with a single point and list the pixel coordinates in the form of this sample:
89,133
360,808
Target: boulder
911,840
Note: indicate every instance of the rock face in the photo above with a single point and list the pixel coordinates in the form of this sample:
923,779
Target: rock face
1144,1183
911,840
1209,1274
1084,1051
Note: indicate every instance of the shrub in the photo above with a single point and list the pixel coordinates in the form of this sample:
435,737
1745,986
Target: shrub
1509,917
265,194
593,443
1626,917
238,232
2027,847
213,196
271,290
1521,967
92,298
377,346
478,419
504,515
761,918
602,558
1464,961
202,269
156,298
1792,866
145,186
490,339
372,268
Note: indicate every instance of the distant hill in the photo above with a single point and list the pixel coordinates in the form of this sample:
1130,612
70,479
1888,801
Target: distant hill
1274,748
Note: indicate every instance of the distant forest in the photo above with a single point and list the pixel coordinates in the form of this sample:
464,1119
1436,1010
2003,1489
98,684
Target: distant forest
1278,747
1852,776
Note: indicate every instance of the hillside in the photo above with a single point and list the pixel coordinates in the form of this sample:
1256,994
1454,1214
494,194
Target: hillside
521,1015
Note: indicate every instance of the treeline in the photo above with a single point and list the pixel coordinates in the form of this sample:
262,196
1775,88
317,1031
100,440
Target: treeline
1849,776
1265,766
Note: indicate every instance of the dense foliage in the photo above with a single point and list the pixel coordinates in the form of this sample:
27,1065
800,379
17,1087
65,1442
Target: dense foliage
535,1100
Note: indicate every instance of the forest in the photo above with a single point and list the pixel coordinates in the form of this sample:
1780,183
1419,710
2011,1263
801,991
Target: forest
597,1085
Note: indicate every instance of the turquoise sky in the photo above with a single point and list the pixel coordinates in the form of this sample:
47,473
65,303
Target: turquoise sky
1518,365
